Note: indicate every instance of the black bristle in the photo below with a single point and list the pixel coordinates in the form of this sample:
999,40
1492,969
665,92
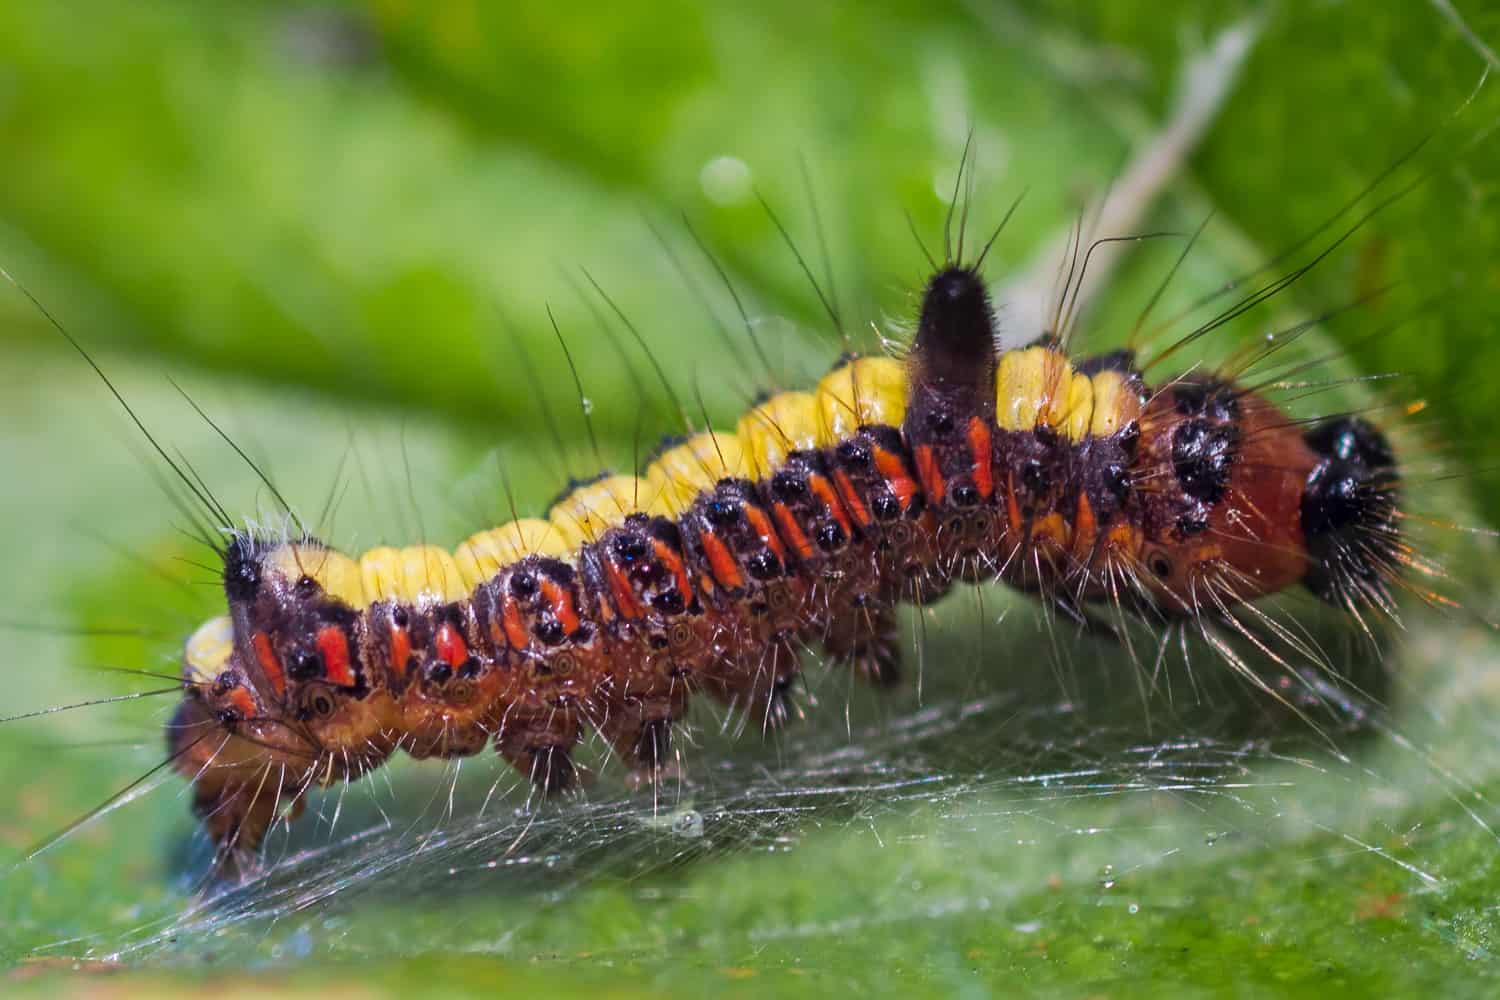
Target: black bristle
1349,509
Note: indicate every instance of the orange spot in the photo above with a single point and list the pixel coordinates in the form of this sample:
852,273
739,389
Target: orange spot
334,645
792,531
451,648
928,472
515,625
1012,509
979,449
270,665
762,526
497,635
244,702
400,649
561,603
725,569
624,594
851,499
893,470
1049,529
674,566
1085,525
823,490
1122,537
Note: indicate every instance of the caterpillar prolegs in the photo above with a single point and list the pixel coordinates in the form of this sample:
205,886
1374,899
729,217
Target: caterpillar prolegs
806,525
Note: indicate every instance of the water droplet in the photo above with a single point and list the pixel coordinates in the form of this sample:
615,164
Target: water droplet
689,823
725,180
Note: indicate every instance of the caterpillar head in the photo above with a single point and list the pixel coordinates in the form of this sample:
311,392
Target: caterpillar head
269,709
223,738
1349,513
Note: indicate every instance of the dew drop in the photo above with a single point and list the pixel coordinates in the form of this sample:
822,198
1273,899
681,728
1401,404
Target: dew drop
725,180
688,824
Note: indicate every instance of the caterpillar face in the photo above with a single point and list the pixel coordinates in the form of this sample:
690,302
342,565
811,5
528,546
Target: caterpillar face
1349,516
805,526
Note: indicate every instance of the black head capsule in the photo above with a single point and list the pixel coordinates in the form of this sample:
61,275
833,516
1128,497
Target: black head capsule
1349,515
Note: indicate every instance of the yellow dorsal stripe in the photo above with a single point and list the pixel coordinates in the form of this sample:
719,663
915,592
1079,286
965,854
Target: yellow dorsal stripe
338,575
864,391
682,472
589,511
785,423
417,574
1078,413
485,554
1116,403
1038,387
1032,387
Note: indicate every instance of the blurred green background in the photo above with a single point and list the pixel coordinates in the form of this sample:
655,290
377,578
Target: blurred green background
334,223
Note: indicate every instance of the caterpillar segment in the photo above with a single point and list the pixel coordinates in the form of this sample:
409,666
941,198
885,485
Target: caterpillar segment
806,526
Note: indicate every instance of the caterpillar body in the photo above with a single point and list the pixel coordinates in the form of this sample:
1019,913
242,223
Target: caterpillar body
806,525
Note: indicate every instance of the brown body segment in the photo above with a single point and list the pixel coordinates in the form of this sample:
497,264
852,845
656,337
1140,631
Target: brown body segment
757,592
1251,542
658,630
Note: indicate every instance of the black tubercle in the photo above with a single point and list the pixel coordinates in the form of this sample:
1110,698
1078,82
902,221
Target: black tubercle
956,331
853,454
242,559
1208,398
304,665
1350,439
1349,511
1203,458
1204,447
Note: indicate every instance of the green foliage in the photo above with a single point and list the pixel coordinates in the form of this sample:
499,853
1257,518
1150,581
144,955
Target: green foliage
334,223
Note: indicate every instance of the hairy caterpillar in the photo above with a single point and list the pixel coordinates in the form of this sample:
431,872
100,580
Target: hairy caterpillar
1051,779
807,524
1061,466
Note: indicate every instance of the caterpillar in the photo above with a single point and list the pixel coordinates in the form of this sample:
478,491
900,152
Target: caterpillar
806,524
